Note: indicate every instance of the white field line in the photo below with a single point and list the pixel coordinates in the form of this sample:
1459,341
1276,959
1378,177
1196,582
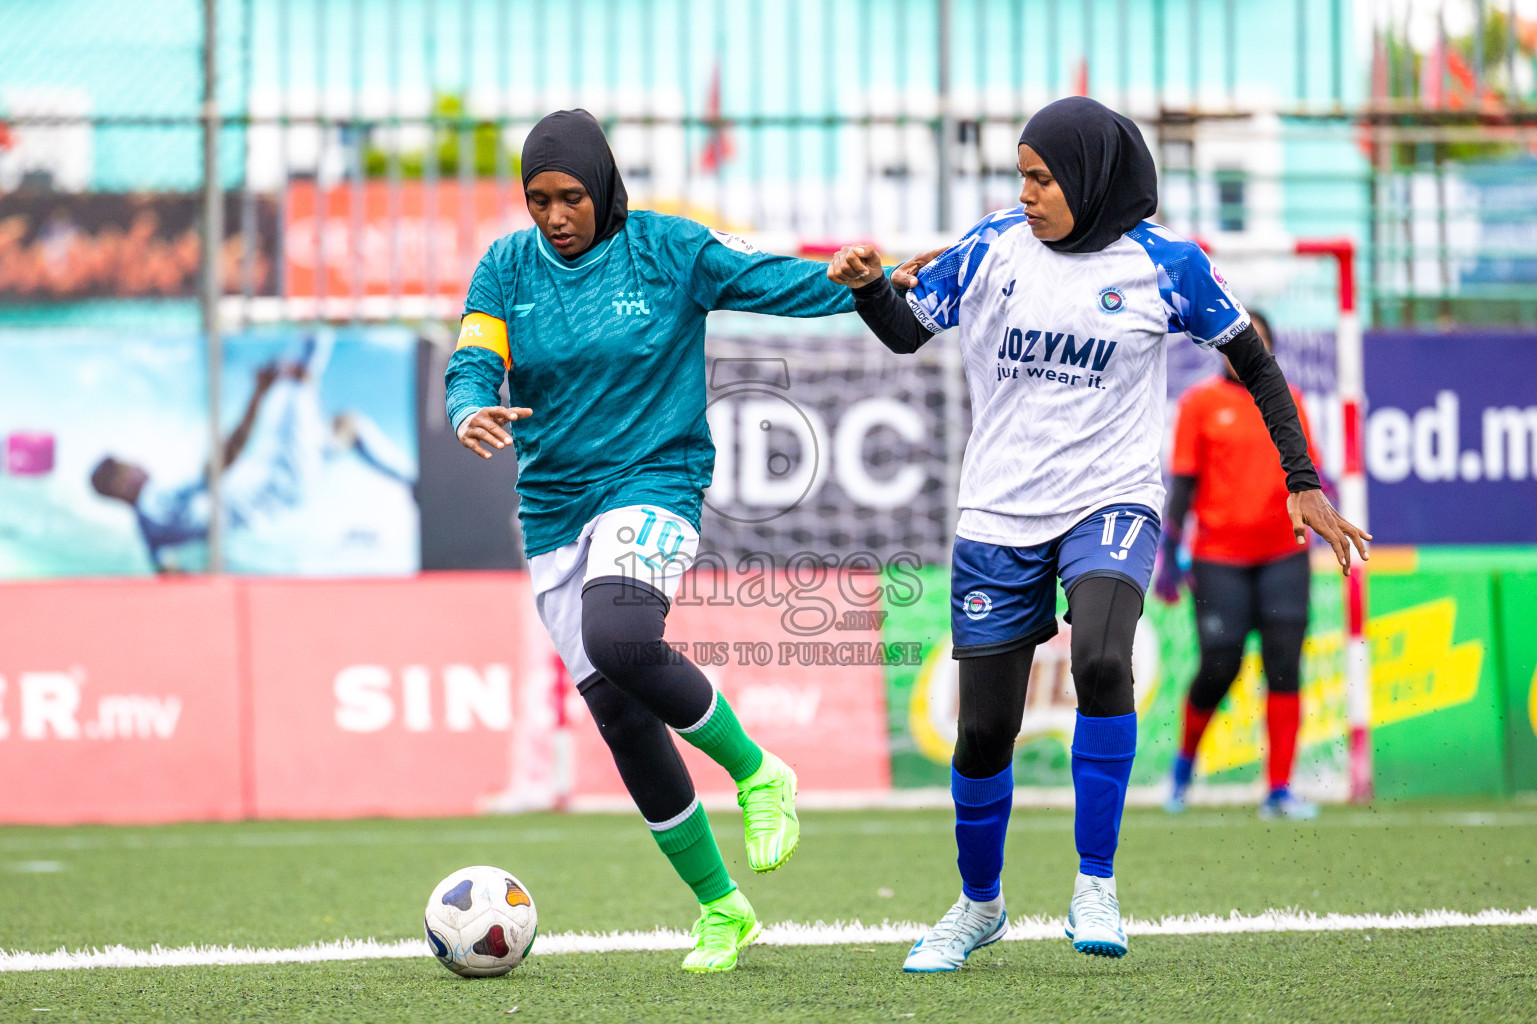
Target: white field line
819,934
555,830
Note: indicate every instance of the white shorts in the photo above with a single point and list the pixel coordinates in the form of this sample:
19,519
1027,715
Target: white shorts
644,543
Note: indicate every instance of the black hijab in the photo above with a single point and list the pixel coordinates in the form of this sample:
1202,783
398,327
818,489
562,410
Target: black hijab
1103,166
572,141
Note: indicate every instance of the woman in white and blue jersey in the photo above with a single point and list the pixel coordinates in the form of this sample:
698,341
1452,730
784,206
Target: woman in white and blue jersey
594,319
1063,304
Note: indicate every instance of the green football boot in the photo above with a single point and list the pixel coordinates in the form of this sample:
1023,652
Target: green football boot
767,798
724,927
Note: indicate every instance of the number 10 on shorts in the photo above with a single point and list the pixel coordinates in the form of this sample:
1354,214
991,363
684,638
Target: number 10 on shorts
668,542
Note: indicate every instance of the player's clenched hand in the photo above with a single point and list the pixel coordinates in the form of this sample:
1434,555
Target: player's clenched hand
486,425
855,266
906,276
1310,509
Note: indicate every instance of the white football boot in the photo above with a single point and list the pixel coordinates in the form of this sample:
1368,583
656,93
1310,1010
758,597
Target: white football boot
1094,918
964,929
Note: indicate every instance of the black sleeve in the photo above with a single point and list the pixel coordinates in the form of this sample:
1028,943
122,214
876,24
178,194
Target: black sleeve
887,314
1257,368
1181,491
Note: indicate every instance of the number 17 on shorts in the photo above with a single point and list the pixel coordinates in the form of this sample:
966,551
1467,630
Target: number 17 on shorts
1119,541
1129,535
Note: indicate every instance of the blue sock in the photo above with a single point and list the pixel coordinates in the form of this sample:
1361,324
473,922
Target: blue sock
1103,749
981,822
1184,767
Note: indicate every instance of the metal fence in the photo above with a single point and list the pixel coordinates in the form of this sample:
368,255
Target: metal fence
369,147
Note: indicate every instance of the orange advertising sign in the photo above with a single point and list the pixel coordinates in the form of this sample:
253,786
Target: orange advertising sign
408,238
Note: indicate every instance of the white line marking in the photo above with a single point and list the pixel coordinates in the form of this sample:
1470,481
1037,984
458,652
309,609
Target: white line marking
232,837
37,867
549,830
820,934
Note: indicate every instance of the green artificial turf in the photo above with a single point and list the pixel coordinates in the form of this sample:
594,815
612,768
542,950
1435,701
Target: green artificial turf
1449,974
285,884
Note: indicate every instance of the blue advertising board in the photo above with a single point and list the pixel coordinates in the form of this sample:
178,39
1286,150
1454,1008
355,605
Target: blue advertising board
1451,437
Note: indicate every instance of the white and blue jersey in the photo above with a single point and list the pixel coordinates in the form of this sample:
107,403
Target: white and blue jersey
1064,358
171,516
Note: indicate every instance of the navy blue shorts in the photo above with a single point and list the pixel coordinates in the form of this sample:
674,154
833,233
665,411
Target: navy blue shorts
1002,598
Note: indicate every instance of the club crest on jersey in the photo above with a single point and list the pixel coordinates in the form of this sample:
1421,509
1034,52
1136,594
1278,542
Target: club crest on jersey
976,605
736,242
1112,300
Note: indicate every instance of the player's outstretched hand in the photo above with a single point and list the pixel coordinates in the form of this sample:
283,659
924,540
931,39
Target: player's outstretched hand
486,425
906,276
266,375
855,266
1310,509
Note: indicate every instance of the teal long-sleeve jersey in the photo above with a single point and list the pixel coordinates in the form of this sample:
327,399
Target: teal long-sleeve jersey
608,352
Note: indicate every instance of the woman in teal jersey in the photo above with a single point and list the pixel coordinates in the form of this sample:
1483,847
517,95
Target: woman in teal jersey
595,318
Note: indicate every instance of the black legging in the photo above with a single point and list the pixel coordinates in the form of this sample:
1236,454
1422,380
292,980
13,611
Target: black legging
1280,650
643,749
1104,613
643,685
1233,600
622,626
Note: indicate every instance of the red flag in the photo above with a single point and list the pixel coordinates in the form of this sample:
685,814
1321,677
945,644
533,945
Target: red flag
1432,76
718,149
1379,70
1462,75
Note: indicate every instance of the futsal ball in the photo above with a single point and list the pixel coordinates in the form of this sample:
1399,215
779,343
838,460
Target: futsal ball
481,922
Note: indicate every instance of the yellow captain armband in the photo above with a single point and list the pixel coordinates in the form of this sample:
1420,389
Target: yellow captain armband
484,331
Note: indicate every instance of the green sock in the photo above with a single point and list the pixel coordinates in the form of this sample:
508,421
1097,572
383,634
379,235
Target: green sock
720,736
691,847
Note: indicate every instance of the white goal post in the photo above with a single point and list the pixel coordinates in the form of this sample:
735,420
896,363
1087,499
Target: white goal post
1335,301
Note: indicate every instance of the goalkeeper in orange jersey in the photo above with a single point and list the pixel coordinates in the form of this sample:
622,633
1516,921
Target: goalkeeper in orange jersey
1249,570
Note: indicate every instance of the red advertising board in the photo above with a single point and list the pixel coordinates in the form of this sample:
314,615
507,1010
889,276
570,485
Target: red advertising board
178,700
387,697
779,666
411,238
119,702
